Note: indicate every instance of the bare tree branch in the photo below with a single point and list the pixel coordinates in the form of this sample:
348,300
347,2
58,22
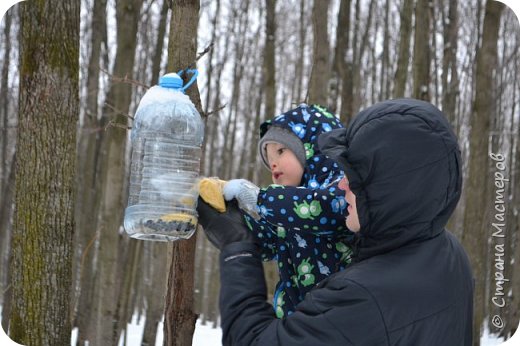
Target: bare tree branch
124,79
119,112
215,111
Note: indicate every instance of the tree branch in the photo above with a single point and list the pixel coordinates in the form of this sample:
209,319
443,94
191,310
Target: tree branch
124,79
215,111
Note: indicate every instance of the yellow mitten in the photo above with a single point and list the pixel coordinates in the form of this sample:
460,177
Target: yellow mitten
210,190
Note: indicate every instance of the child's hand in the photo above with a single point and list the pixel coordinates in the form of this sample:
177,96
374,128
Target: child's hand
245,192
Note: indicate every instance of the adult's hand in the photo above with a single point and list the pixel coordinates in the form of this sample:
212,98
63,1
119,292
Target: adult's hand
223,228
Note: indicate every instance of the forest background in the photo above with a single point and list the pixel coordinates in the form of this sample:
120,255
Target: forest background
64,153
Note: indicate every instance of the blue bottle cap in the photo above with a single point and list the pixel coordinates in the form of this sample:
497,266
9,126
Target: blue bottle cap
171,80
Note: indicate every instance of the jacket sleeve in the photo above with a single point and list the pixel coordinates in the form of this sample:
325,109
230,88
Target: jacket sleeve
338,312
320,211
265,235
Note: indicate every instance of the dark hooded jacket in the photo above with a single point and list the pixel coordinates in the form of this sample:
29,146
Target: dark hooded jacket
411,283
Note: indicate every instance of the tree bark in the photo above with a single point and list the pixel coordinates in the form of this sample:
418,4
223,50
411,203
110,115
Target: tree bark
6,211
5,199
401,74
161,31
385,63
155,286
43,229
4,99
421,51
301,52
318,85
475,237
342,44
450,89
86,205
179,318
269,67
111,176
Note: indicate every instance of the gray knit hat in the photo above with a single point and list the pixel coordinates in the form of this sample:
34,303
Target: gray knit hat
277,134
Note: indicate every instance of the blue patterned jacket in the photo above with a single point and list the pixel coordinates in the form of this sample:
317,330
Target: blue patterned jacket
303,228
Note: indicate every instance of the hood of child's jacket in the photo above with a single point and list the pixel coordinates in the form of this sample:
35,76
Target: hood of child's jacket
403,164
308,123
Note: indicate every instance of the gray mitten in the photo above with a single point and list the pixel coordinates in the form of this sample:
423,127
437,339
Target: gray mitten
246,194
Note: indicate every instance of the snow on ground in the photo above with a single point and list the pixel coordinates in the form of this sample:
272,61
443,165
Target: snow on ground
205,335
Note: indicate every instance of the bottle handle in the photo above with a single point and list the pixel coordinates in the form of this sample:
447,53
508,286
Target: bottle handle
193,78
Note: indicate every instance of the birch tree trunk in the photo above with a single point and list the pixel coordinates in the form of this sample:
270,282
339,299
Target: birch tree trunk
43,229
475,237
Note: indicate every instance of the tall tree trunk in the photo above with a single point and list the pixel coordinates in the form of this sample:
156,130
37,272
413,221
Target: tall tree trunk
301,51
401,74
421,51
111,176
269,76
6,211
342,44
347,87
5,199
155,287
4,100
238,72
179,318
359,58
475,237
318,85
513,306
43,229
385,63
450,79
269,66
86,204
514,301
161,31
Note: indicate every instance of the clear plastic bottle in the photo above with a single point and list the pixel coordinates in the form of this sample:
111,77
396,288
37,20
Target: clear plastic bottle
166,139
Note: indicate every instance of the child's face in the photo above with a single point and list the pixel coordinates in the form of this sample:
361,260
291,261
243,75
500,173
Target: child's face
352,220
285,167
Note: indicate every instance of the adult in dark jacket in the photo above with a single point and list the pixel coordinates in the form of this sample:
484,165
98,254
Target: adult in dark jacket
411,282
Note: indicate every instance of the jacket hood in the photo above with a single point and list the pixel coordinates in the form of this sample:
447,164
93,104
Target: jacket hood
308,123
403,164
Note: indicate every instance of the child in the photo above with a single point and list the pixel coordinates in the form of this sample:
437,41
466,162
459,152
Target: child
300,219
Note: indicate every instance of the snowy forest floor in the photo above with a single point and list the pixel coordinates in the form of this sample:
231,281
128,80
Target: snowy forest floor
206,335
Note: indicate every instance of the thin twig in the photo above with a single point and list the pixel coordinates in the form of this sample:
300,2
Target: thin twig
215,111
119,112
112,123
125,79
6,289
81,266
200,55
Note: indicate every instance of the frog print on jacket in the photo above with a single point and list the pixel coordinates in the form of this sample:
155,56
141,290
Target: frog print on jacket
303,228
